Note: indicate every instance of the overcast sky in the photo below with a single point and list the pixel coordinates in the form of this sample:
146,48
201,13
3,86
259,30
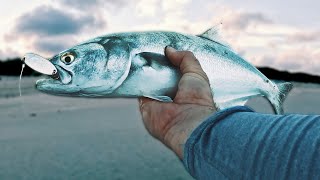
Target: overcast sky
281,34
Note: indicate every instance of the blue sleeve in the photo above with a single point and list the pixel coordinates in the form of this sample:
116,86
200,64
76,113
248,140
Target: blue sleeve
238,143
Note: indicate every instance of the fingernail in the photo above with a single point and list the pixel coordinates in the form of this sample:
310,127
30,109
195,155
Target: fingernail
171,49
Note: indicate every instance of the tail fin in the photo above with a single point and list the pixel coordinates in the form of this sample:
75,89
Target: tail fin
278,99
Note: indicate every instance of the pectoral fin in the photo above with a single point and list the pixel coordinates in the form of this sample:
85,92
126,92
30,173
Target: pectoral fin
154,60
236,102
160,98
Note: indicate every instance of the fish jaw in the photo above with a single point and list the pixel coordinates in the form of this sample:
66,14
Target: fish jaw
57,85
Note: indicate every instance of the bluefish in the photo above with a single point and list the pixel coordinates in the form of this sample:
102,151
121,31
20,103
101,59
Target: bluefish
133,64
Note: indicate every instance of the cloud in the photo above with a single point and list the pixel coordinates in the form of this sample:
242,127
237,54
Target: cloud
294,59
269,43
54,45
48,21
50,29
303,56
146,8
304,36
267,60
8,53
290,64
79,3
85,4
241,20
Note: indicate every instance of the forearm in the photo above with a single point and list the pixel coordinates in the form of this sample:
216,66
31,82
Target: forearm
239,144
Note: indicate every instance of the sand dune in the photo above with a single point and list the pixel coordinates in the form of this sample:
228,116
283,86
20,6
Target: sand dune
50,137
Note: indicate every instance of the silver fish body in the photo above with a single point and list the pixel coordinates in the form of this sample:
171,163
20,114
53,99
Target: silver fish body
133,64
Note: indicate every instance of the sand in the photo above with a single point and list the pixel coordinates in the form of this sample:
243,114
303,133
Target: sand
50,137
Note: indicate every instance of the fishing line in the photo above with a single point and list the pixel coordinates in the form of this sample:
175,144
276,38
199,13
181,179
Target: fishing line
23,65
23,102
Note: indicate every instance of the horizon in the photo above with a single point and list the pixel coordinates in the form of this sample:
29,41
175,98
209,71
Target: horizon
264,33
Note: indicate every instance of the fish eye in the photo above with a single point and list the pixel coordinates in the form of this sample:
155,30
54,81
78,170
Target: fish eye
67,58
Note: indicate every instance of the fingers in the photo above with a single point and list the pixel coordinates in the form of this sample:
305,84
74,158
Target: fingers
186,61
144,107
143,101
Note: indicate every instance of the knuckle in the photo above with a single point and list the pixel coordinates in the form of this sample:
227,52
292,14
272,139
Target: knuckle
202,74
189,53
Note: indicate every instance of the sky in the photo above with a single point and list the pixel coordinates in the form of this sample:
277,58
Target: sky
279,34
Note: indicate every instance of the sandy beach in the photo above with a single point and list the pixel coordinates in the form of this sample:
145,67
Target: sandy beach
50,137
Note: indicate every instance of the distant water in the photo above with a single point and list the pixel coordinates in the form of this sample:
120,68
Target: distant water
304,98
76,138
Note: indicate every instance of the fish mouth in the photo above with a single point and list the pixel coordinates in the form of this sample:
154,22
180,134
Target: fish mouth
56,82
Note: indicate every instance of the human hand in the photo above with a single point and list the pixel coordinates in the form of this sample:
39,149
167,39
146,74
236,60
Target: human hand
172,123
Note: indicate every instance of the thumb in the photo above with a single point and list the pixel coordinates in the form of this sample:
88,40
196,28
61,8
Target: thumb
186,61
194,86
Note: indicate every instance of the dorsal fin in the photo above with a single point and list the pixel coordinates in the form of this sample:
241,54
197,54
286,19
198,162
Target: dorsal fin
213,35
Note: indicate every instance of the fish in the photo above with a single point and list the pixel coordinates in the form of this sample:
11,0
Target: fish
133,64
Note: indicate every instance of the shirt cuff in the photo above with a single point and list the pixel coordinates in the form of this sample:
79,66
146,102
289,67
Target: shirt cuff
188,155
